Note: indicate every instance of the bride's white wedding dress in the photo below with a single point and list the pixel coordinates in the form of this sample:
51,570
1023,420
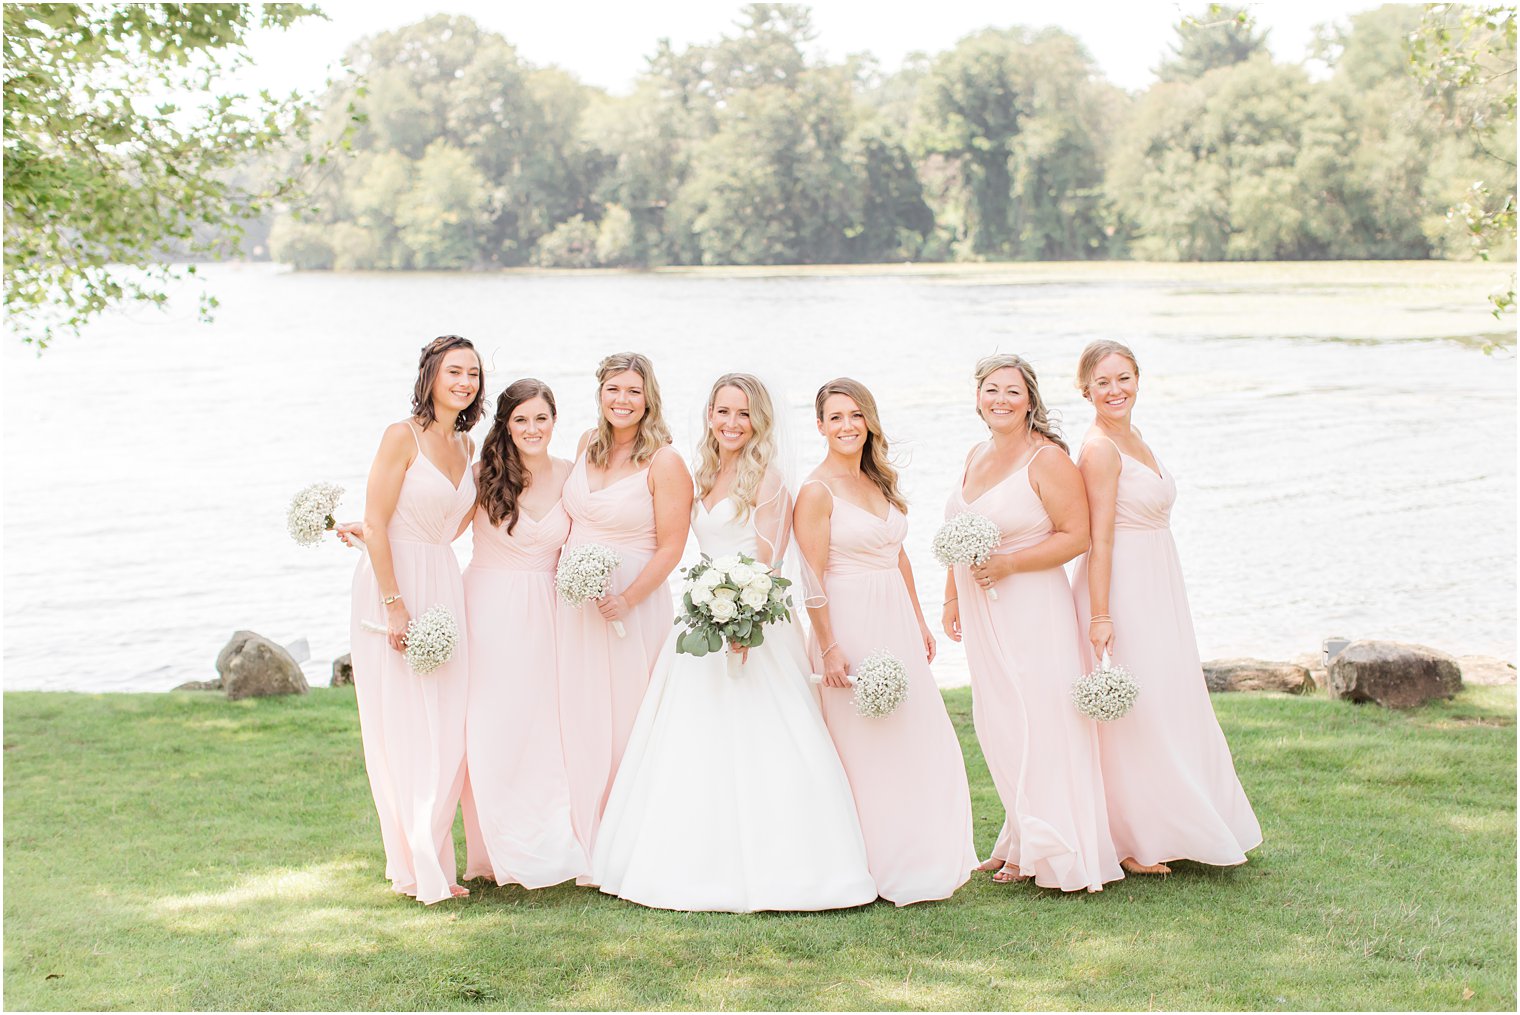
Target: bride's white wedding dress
730,796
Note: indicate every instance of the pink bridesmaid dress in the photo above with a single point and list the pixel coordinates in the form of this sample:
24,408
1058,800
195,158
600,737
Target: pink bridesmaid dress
517,797
602,677
413,726
1024,654
1172,789
905,770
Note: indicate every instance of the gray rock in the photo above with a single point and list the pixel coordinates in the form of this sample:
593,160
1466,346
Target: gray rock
1393,674
215,684
1486,670
343,671
252,666
1256,675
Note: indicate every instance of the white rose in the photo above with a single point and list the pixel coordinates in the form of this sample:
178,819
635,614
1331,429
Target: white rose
711,578
723,610
741,575
701,594
726,594
778,593
762,583
726,563
753,598
760,568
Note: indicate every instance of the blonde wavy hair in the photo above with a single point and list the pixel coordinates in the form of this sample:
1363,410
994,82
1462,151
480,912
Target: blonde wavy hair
755,457
652,434
1097,352
873,457
1040,421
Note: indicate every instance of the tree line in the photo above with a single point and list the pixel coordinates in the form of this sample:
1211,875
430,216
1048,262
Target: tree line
1009,146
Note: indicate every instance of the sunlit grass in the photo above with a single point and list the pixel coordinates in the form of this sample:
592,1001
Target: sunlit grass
181,851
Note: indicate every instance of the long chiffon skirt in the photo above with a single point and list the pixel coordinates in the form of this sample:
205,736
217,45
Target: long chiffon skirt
906,769
1171,784
412,726
1023,655
602,679
517,797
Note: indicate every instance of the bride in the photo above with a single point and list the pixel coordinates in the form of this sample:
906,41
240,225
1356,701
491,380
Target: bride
730,796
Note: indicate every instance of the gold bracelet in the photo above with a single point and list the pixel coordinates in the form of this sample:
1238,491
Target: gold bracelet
832,647
391,599
951,600
1098,617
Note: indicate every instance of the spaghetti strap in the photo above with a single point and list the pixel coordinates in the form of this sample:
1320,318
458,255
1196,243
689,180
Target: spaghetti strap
1042,447
415,438
1099,437
819,482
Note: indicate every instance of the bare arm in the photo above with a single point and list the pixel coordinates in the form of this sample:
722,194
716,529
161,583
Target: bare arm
1100,468
671,485
906,567
381,493
951,619
811,522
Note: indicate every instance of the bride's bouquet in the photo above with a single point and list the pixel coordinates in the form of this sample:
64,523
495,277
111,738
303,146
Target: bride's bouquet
968,538
729,601
585,572
311,512
1105,694
430,639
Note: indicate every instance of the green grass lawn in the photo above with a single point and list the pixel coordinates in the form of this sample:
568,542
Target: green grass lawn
180,851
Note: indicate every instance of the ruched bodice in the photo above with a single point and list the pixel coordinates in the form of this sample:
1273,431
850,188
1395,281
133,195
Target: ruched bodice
620,514
1145,499
429,507
860,542
1012,505
533,545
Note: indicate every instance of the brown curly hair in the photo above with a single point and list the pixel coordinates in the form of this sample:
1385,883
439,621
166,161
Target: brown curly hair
502,476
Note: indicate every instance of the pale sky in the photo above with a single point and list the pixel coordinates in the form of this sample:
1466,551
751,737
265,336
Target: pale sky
606,43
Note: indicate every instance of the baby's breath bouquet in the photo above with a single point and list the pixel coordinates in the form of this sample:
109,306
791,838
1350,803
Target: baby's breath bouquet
729,601
1105,694
311,512
585,572
968,538
430,639
881,685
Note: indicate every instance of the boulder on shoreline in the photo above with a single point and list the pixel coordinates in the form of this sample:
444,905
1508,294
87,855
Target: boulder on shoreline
214,684
343,670
1393,674
1256,675
252,666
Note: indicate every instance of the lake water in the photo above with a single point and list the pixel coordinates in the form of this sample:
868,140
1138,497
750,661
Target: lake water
1344,449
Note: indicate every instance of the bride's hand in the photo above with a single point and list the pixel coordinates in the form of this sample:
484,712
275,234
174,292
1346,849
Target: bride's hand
742,651
835,668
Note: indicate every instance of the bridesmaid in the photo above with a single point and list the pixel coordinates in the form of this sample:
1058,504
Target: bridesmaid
1023,647
420,493
517,797
1172,789
628,490
906,769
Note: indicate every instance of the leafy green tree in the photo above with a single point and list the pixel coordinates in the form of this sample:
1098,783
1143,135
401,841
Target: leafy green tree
101,178
1464,56
442,216
1222,36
